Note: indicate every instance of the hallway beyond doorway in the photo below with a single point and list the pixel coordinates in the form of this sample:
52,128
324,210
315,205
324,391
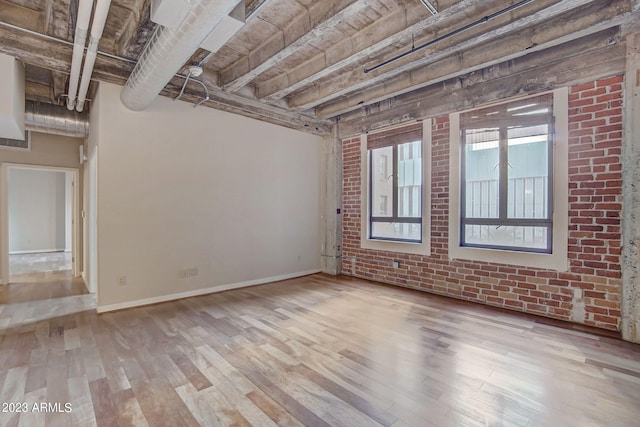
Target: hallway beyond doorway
20,264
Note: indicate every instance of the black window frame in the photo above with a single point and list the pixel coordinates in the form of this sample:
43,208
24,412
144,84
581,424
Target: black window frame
394,138
499,117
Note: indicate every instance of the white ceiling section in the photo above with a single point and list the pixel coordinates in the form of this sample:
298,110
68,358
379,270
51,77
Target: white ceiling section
301,63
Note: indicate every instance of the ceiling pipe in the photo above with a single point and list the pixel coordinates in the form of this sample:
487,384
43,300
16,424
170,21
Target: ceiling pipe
56,120
169,49
82,26
431,8
99,19
480,21
62,41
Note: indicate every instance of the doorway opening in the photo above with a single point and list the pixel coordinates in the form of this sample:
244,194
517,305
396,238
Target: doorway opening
39,214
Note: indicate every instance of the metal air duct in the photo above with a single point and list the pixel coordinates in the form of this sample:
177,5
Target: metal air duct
169,49
54,119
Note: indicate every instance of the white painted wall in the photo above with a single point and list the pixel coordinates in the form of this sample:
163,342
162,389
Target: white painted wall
180,187
36,211
90,200
68,211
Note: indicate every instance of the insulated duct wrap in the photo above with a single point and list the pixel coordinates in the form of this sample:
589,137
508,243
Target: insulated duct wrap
169,49
54,119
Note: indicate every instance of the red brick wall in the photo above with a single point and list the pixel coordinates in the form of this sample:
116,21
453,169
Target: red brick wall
595,204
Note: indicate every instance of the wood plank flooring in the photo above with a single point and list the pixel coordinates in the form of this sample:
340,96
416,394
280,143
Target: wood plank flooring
313,351
24,264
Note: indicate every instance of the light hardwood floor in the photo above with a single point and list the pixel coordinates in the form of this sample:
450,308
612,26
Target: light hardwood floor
48,262
314,351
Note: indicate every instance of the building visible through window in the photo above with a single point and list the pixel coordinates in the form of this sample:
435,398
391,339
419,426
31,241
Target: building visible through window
396,184
506,184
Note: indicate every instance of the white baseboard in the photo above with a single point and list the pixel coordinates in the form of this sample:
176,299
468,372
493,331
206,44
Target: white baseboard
35,251
198,292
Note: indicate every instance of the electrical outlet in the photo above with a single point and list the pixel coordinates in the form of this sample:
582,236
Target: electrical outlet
121,280
395,264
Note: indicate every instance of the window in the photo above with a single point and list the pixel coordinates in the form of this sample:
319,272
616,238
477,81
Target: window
506,183
383,165
396,189
384,203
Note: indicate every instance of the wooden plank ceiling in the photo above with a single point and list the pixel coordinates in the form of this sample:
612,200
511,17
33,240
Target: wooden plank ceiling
300,63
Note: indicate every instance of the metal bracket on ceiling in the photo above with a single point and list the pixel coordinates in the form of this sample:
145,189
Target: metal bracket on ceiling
193,71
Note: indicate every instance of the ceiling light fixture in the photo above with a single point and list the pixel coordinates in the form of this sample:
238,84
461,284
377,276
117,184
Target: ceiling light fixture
195,71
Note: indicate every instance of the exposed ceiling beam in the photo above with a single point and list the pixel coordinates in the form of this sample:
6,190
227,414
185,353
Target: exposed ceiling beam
51,55
23,16
237,104
132,28
477,53
338,11
39,91
632,27
576,62
430,7
370,44
252,8
255,6
332,42
56,56
59,84
57,19
471,45
450,34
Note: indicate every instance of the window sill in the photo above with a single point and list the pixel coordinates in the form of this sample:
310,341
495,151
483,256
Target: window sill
555,261
399,247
